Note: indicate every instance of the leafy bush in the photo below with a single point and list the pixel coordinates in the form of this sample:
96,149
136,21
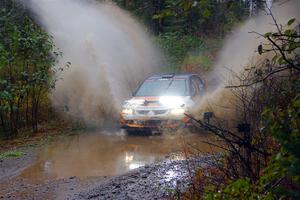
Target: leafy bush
281,178
183,50
11,154
263,161
176,46
26,76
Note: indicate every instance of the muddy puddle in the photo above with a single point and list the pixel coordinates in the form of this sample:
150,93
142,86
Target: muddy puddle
108,154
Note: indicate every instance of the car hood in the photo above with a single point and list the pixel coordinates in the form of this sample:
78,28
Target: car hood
158,102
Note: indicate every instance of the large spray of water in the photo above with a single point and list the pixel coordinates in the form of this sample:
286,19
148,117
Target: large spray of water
238,53
109,51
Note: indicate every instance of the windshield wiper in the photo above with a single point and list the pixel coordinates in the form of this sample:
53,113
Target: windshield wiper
169,85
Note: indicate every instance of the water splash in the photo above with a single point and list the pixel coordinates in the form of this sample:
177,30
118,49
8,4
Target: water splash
109,50
238,53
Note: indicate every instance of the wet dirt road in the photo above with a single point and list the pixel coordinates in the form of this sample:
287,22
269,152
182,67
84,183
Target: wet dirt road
104,154
82,160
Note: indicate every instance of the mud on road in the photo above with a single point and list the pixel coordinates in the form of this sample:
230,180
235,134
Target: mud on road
12,166
101,166
156,181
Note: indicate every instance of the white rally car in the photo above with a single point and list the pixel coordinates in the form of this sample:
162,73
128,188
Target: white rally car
161,102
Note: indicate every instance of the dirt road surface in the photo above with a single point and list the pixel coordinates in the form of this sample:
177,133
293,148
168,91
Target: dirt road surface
104,166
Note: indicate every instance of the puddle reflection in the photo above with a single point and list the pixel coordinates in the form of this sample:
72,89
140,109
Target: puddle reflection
96,154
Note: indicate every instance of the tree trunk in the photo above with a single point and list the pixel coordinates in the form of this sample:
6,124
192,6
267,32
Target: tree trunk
3,124
157,6
33,104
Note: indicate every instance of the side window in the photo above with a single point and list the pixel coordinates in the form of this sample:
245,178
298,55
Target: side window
201,85
195,90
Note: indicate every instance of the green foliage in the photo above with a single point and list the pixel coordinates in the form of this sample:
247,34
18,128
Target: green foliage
144,11
188,16
284,124
182,26
201,61
286,43
11,154
281,178
188,50
176,46
26,60
239,189
202,17
280,119
201,58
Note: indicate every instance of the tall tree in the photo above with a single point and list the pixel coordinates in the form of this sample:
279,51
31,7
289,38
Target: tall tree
26,60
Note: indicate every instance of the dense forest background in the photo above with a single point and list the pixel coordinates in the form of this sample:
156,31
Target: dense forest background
261,162
200,18
190,32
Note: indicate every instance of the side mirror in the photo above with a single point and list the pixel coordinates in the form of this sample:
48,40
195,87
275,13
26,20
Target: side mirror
207,116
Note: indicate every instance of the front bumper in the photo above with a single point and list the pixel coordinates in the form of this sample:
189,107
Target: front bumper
154,123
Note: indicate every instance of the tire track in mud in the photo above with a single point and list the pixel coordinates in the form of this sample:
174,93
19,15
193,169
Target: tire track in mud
154,181
169,171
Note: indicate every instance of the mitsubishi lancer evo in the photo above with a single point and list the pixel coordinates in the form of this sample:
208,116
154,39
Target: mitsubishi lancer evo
161,101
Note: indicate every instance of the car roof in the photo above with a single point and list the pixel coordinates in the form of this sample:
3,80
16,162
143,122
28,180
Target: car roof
172,75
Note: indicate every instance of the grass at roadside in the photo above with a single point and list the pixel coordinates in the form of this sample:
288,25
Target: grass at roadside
47,134
7,154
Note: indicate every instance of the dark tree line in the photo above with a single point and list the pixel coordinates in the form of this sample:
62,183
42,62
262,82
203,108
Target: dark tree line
26,76
200,17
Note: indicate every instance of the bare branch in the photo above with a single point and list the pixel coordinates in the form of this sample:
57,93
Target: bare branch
260,80
282,53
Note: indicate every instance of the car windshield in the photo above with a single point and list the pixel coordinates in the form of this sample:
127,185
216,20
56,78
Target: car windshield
163,87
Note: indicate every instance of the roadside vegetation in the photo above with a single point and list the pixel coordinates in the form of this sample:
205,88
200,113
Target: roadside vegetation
188,52
11,154
261,159
25,67
27,76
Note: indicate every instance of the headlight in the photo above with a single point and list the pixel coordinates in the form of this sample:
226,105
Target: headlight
136,102
127,111
171,101
177,111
